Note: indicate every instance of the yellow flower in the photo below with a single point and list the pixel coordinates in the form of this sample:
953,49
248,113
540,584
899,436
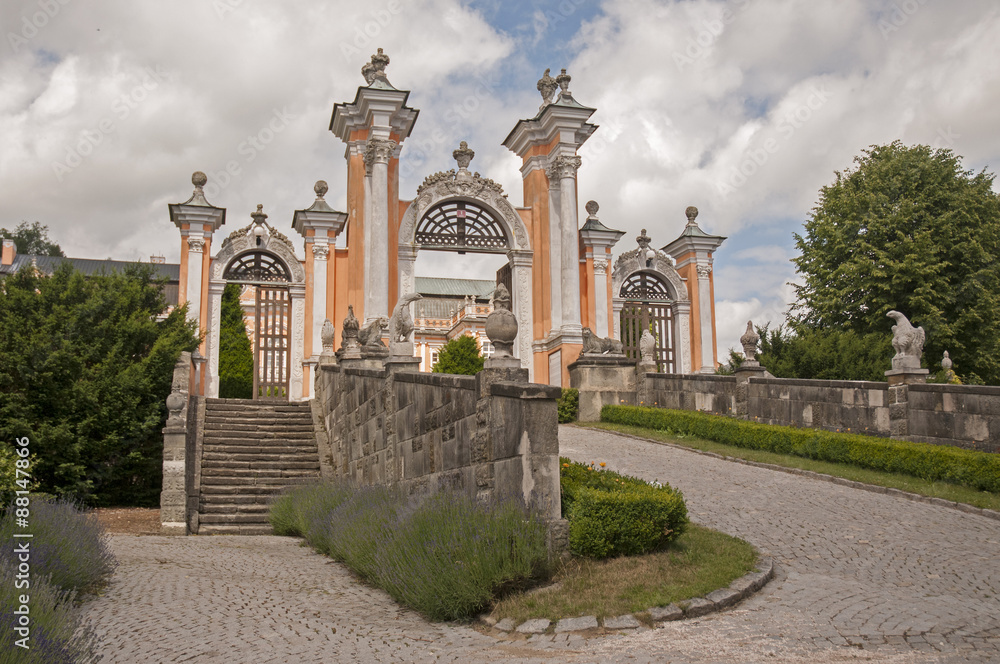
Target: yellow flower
603,464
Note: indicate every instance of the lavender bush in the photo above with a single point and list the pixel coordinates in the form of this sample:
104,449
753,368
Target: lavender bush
294,511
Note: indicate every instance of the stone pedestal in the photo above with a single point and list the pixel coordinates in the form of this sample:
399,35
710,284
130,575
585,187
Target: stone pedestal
746,371
173,495
602,380
643,394
397,363
899,395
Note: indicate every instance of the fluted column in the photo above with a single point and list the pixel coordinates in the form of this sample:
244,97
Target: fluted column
564,168
321,254
196,249
601,296
215,290
555,255
377,155
705,318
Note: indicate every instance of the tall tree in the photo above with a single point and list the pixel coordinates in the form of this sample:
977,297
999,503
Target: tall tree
235,351
85,368
907,229
459,356
32,239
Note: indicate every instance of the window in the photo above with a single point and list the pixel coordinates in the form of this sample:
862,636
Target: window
487,349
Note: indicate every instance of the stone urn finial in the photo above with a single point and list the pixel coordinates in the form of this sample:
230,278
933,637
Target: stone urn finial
692,213
946,362
749,342
501,328
199,179
463,155
328,334
259,217
592,208
321,188
563,80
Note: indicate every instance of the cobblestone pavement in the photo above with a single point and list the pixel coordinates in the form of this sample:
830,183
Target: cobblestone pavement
861,577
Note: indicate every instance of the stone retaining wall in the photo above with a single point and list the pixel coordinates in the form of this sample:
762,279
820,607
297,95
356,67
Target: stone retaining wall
963,415
708,393
835,405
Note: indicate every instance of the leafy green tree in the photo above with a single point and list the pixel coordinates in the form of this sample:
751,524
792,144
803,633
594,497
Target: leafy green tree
235,351
907,229
820,354
459,356
32,239
85,368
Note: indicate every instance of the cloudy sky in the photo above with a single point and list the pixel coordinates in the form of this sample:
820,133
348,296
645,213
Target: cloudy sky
744,108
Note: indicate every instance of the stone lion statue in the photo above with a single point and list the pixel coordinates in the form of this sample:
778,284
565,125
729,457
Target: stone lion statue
371,334
595,345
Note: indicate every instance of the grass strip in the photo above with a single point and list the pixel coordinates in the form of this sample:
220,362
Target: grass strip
698,562
944,490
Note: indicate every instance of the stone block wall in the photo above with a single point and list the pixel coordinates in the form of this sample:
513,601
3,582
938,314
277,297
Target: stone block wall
963,415
704,392
487,435
835,405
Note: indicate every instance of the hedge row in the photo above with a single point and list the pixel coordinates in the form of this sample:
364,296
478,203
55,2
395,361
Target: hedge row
970,468
616,515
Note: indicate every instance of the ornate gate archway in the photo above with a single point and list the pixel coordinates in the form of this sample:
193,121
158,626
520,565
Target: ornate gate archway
465,213
647,306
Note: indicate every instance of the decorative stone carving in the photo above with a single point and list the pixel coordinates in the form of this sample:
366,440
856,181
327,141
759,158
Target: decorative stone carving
564,166
600,266
595,345
463,155
321,251
691,213
401,326
328,334
647,347
272,240
908,341
749,342
704,270
196,244
176,401
501,328
375,70
321,188
378,151
563,80
946,365
349,345
371,334
547,87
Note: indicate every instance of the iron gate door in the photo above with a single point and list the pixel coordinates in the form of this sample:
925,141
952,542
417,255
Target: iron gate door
648,306
272,347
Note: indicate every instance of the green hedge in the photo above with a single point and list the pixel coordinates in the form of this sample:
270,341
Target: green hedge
616,515
970,468
568,405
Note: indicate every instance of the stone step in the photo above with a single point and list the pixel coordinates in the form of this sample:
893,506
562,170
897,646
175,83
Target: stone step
211,492
257,464
270,456
235,499
229,471
229,508
232,518
250,423
279,482
270,451
258,435
234,529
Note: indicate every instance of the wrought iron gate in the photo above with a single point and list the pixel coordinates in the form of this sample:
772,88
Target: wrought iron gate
272,343
648,306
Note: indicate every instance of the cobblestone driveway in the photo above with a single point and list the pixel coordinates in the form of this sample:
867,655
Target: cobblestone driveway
861,577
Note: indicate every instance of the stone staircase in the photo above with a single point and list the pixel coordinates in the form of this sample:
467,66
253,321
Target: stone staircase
251,451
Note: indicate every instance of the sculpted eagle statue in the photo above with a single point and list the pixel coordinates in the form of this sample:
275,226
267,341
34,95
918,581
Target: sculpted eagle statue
908,341
400,323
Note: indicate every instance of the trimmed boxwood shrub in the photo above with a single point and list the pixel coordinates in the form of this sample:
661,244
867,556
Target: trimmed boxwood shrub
970,468
568,405
611,514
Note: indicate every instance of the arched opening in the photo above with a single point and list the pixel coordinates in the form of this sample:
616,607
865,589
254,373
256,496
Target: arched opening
648,305
266,278
461,226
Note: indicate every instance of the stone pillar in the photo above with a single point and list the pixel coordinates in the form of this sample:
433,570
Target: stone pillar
564,168
406,258
321,254
555,257
215,290
682,336
173,496
601,297
899,396
377,155
602,380
520,263
196,249
297,293
750,368
707,359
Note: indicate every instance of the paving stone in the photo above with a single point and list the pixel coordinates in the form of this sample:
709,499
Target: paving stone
576,624
698,606
669,612
506,625
723,597
627,621
534,626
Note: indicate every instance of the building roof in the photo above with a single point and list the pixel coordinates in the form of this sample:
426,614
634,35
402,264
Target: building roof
480,288
89,266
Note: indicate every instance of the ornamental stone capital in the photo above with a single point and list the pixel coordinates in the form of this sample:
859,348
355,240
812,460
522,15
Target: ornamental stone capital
321,251
600,266
196,244
704,270
378,151
563,167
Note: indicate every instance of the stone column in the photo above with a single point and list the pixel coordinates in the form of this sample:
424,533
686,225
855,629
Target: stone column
705,318
601,297
555,256
616,316
406,258
321,252
520,263
377,155
683,361
173,496
564,168
215,289
196,249
297,293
